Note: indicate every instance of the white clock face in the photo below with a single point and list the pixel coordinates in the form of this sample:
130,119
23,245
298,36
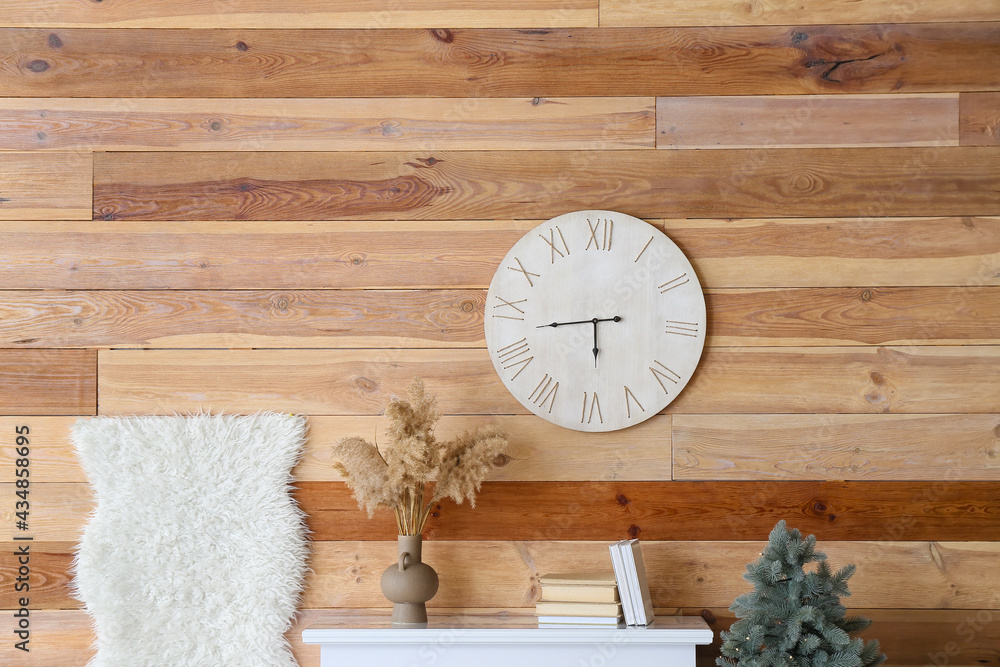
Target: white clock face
580,373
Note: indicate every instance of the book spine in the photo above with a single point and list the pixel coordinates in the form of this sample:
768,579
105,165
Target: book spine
623,589
633,583
646,600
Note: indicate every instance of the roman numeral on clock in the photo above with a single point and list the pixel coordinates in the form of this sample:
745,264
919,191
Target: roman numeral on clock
513,356
594,403
661,373
545,392
553,243
601,232
674,282
682,328
628,403
527,274
504,303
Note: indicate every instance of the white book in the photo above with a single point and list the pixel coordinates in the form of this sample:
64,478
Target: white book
642,601
579,621
623,588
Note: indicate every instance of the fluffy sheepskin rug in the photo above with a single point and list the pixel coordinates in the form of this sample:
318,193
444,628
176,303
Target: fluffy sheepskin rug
196,552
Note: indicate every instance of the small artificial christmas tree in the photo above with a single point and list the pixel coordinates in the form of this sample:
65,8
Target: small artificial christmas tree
794,617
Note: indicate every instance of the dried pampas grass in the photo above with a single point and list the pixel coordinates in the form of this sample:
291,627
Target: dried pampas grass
396,479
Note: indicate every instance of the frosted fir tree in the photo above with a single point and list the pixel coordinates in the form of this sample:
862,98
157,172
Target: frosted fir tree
792,617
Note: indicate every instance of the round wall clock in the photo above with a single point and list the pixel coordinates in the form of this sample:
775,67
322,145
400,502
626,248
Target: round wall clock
595,320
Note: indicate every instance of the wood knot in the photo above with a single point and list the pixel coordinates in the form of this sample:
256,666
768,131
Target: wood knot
357,261
536,101
365,385
866,295
819,507
500,460
443,36
877,378
37,66
242,46
54,41
633,532
622,500
468,306
799,37
282,303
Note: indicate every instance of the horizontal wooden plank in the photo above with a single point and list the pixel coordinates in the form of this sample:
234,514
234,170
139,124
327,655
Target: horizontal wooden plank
65,637
873,510
244,318
454,318
789,12
305,14
48,382
245,255
768,252
693,575
905,315
126,124
878,58
861,252
55,186
539,451
979,122
921,379
682,511
832,447
807,121
539,184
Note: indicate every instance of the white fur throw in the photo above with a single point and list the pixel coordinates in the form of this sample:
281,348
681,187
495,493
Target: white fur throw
196,552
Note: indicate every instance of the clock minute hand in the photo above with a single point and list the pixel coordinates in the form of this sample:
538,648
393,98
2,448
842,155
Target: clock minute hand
590,321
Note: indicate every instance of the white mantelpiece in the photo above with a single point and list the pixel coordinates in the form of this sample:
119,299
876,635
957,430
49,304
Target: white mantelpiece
500,640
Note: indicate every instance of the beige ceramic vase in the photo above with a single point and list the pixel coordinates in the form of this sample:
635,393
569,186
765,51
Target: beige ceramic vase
409,583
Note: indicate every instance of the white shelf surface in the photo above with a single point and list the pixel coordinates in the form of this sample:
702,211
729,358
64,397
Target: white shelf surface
498,638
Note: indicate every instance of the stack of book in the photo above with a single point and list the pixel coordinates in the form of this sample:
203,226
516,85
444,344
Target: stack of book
579,600
637,605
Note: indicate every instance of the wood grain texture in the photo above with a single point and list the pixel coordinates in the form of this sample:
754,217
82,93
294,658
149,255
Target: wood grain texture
265,255
837,447
304,14
923,379
804,121
789,12
54,186
127,124
909,636
580,511
856,252
880,58
48,382
540,184
767,252
682,511
244,318
839,316
454,318
979,120
64,638
539,451
692,575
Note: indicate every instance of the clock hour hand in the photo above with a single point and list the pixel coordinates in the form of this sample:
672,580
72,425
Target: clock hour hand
595,342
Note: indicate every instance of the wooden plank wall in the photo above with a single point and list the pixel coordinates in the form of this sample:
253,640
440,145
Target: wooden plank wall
241,206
